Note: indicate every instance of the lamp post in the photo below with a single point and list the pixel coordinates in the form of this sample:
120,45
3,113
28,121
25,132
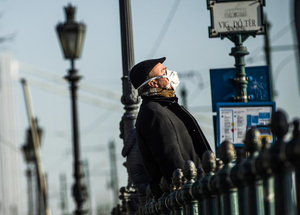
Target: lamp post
71,36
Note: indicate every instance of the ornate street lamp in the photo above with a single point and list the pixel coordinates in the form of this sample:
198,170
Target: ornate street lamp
71,35
30,158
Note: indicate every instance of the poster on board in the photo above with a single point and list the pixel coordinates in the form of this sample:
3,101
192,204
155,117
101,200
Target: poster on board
235,119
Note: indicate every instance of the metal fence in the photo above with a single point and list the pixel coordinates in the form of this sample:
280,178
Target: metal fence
256,179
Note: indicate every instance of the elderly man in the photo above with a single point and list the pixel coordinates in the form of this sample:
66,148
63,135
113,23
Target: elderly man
167,134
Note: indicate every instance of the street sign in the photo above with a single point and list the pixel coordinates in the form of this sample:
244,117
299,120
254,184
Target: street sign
234,119
223,87
235,16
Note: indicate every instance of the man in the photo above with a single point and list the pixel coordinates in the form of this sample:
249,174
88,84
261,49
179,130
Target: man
167,134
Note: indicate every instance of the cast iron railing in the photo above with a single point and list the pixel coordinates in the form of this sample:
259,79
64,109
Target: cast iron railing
266,182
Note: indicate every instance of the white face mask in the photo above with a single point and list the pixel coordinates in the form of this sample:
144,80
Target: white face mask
173,79
171,76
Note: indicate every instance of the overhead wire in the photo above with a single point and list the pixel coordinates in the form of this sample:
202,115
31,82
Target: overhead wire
164,29
109,94
65,155
62,159
9,145
281,65
275,37
82,97
93,125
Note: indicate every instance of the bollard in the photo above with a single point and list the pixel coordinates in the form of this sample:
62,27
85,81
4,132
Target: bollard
254,182
215,188
165,187
293,154
195,190
236,177
262,167
281,167
209,165
178,180
228,190
190,203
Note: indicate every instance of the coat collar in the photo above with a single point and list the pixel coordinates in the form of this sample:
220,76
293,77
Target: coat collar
160,99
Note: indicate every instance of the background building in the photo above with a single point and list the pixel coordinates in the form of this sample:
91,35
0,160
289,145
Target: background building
10,191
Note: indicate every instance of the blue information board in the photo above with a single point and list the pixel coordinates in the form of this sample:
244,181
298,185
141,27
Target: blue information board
223,88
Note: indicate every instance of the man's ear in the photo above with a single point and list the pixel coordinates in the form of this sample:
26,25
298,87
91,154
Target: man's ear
152,84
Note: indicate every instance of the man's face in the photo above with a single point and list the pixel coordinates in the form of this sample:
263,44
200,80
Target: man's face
158,70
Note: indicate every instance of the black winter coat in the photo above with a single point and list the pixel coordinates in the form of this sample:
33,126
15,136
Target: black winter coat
167,136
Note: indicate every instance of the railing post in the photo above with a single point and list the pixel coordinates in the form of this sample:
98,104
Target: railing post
168,198
293,154
237,179
262,167
130,201
154,207
179,192
123,199
147,208
209,165
229,191
255,184
195,190
178,180
281,168
214,186
165,187
190,203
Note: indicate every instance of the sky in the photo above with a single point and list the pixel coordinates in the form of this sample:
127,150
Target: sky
177,30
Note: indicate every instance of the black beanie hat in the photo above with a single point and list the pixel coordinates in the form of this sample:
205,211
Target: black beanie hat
140,71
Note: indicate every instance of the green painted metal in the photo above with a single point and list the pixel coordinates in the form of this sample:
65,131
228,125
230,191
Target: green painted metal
178,180
284,202
154,208
254,181
195,191
179,200
215,188
239,52
262,167
230,201
243,200
237,179
298,188
293,154
162,207
172,204
269,200
209,165
147,208
229,191
190,203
